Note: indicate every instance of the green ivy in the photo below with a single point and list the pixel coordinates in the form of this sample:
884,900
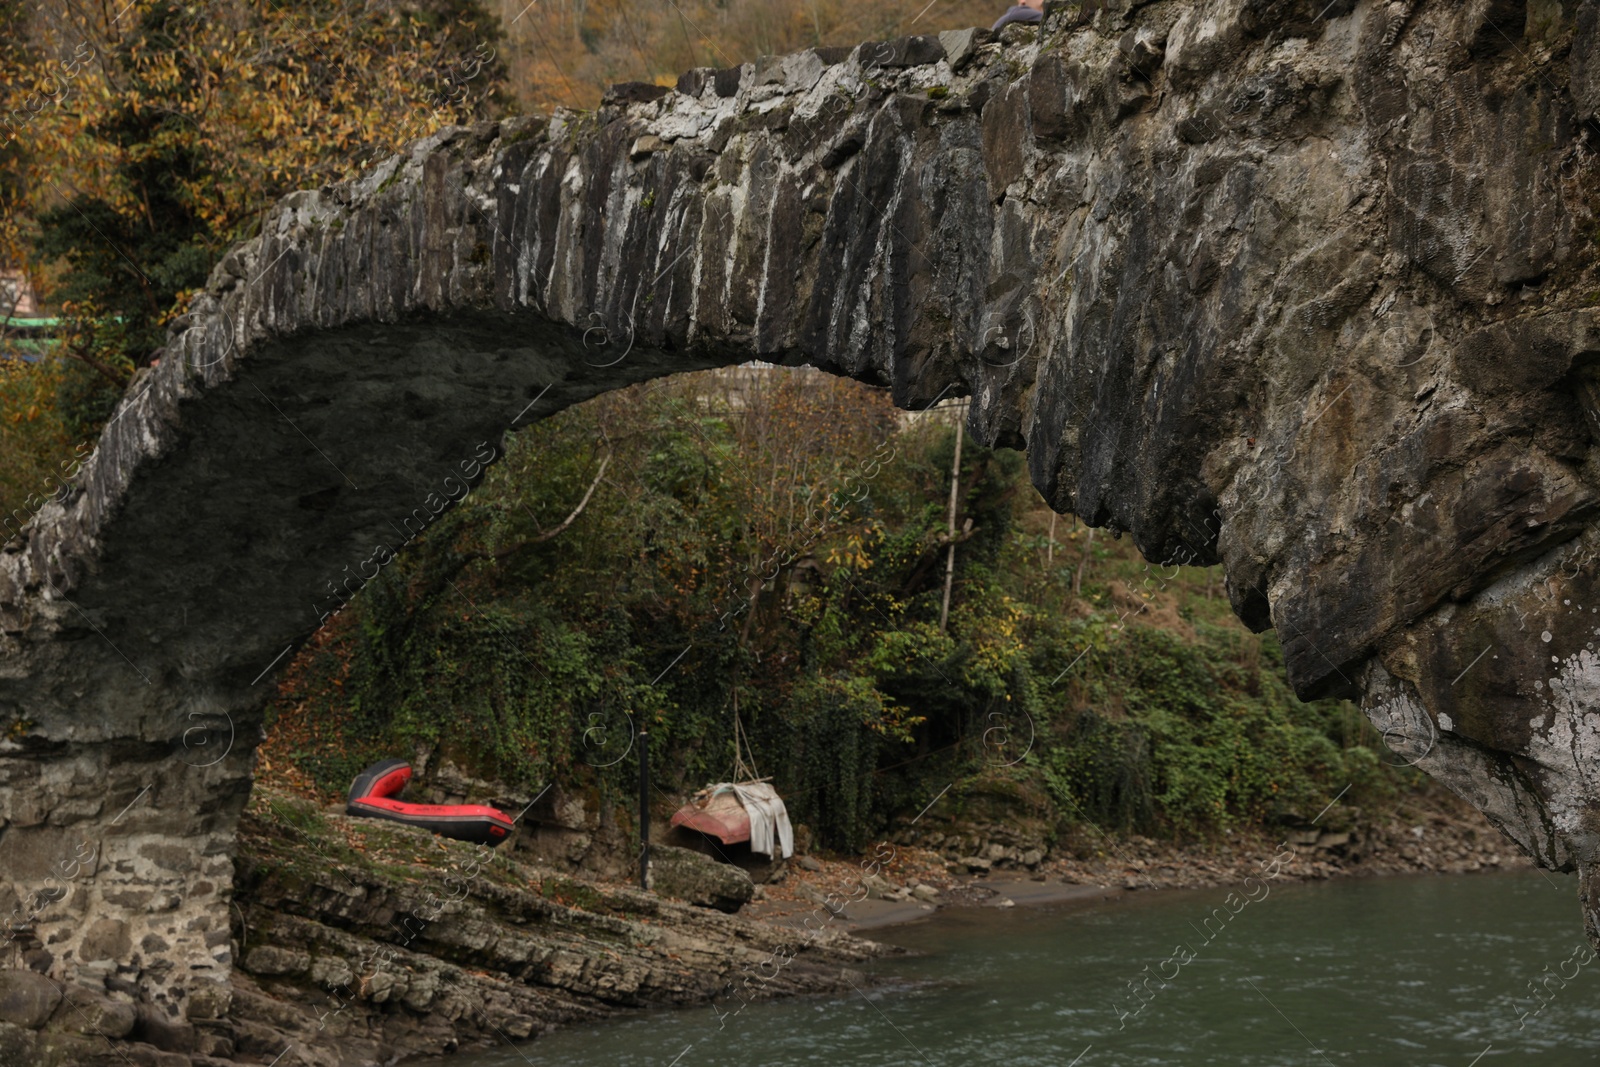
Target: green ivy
511,651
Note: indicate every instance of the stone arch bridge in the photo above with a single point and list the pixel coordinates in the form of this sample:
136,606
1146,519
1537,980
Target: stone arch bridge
1306,288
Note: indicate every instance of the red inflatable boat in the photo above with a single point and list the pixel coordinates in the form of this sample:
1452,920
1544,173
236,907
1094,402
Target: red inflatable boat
373,793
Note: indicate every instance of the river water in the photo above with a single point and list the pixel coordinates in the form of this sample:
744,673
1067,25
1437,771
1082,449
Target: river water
1420,972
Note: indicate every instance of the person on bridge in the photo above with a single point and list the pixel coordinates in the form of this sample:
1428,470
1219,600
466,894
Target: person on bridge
1024,11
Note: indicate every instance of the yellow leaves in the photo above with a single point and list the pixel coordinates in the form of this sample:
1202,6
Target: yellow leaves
281,98
853,553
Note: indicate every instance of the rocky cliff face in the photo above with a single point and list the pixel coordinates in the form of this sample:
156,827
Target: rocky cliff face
1308,288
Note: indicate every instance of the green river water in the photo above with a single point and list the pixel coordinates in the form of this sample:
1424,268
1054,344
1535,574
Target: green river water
1422,972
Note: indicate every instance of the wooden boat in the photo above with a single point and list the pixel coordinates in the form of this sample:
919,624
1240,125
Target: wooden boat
372,796
723,810
716,812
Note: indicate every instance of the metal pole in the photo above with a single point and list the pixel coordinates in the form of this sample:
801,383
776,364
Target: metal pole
644,809
955,487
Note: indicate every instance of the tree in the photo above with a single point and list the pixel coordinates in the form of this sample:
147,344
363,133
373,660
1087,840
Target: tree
138,144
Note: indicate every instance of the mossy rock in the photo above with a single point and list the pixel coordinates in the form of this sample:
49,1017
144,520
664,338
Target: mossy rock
679,872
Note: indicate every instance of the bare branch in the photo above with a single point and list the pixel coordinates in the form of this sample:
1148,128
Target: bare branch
581,504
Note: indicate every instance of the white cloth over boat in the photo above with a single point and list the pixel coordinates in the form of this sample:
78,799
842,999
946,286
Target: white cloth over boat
767,813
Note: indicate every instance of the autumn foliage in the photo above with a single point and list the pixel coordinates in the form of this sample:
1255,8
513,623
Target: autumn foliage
565,52
139,142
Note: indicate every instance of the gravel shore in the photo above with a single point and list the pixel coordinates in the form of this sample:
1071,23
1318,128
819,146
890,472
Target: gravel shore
1423,836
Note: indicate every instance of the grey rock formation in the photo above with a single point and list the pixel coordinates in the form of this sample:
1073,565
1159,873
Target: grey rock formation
360,964
699,879
1307,288
27,999
410,946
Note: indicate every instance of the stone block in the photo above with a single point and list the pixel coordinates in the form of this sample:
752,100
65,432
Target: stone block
208,1001
106,939
75,810
694,82
27,999
421,990
28,808
155,1027
515,1025
382,986
1143,51
647,145
178,859
17,1045
163,902
961,45
1586,60
901,52
726,81
878,887
1199,43
796,72
624,93
801,71
1004,126
39,854
1057,109
679,872
332,972
88,1011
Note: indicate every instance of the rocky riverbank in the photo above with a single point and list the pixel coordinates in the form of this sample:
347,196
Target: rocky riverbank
361,942
1430,832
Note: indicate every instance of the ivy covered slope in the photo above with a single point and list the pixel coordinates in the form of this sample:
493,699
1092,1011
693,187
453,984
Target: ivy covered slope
776,542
